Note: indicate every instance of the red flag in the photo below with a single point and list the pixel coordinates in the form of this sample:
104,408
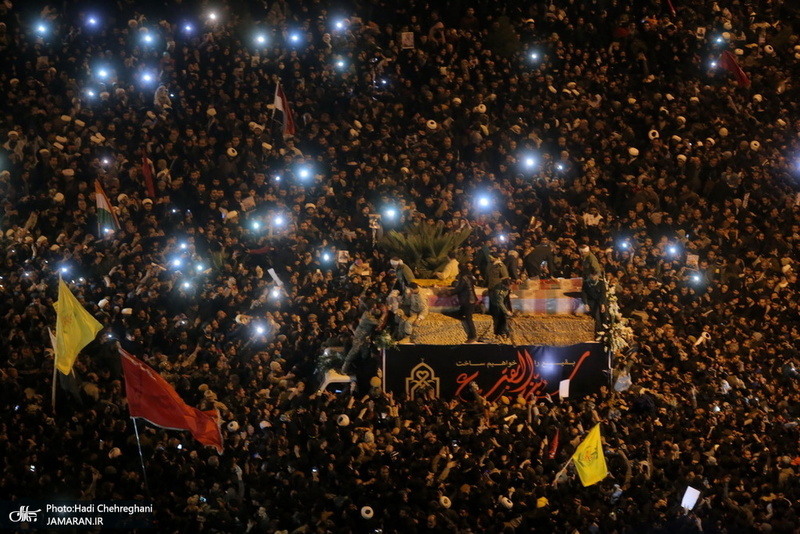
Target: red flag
671,7
153,399
282,104
147,172
728,62
551,454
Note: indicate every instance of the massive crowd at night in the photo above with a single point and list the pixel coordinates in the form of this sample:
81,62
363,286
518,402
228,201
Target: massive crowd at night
600,123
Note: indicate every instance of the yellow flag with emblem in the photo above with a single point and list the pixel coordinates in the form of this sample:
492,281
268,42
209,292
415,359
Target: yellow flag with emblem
75,328
589,459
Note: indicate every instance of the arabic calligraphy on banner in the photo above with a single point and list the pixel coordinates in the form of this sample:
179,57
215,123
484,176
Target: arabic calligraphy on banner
498,370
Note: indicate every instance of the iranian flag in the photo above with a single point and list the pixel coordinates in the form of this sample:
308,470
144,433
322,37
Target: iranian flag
106,219
281,105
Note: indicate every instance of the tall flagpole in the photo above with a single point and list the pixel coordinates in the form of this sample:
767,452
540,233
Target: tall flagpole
141,457
55,369
55,379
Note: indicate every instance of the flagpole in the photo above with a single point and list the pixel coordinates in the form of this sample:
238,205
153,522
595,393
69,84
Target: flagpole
55,379
555,480
55,360
141,456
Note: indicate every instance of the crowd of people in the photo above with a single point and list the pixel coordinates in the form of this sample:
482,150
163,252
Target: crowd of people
542,126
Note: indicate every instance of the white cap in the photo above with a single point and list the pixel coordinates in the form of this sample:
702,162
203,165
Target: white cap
723,132
431,124
653,134
633,151
754,146
444,500
233,426
367,512
232,152
343,420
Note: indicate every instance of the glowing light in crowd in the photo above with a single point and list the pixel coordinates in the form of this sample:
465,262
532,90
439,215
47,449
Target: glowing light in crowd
484,201
147,77
41,29
177,262
102,73
279,220
261,39
260,330
696,278
294,37
534,56
326,256
92,21
187,285
530,162
212,16
390,213
147,38
255,225
199,267
65,269
184,246
303,173
188,28
276,292
502,238
560,166
90,93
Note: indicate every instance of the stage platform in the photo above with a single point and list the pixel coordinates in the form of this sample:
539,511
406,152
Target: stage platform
550,330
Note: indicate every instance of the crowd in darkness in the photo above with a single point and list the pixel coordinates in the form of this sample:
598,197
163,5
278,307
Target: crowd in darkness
602,123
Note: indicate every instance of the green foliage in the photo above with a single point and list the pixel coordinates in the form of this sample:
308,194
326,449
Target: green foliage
424,247
385,341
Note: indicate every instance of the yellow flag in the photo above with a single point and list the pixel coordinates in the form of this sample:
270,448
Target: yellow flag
75,328
589,459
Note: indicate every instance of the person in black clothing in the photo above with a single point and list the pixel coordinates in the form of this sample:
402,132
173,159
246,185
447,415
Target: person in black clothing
539,262
465,289
500,304
594,295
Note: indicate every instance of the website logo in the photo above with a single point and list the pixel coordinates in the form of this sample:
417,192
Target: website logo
24,514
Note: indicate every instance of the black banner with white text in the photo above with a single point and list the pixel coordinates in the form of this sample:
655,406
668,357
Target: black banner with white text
529,372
